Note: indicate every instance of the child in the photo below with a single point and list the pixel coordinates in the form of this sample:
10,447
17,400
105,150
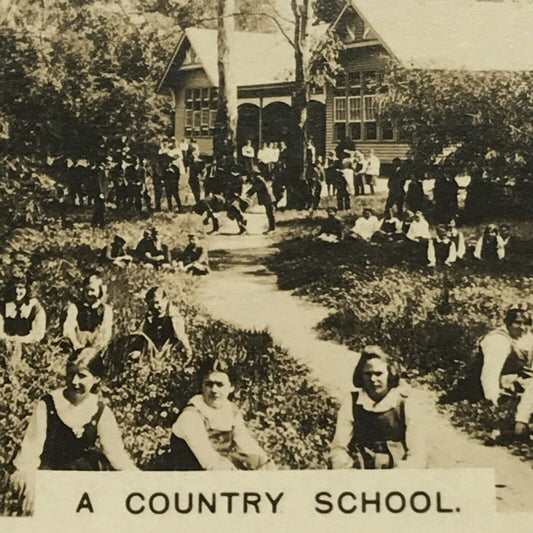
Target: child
210,433
490,247
441,249
377,425
67,424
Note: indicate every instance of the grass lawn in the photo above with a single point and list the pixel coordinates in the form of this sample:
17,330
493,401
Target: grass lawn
291,417
429,319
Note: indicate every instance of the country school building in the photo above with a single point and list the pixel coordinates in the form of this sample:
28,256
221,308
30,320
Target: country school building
417,34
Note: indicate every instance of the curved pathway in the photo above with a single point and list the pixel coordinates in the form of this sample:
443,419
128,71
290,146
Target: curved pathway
242,291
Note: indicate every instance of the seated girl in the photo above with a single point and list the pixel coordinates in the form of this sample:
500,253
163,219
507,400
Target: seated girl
504,358
458,238
22,318
210,433
490,247
390,228
65,426
377,425
441,249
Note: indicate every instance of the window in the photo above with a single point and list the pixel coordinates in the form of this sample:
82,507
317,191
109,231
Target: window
370,109
354,117
205,116
188,118
355,108
371,81
196,122
340,131
200,104
339,105
354,79
354,103
188,99
387,131
212,120
190,57
340,80
371,131
355,131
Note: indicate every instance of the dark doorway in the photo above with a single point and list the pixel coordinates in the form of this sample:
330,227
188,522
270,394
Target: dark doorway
278,123
248,125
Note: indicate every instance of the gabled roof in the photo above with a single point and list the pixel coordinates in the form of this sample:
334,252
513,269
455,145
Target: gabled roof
258,58
453,34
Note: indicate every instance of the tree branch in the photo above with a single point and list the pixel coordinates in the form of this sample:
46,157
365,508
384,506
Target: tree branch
260,14
278,13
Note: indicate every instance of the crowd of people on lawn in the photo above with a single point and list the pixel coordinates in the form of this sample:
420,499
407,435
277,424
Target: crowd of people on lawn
378,424
445,247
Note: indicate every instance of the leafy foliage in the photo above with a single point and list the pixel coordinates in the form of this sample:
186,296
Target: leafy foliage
484,117
428,320
289,414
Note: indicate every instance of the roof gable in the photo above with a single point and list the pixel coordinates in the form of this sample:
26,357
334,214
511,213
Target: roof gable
258,58
453,34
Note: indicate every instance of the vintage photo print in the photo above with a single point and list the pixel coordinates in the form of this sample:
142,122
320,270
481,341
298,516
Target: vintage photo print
287,237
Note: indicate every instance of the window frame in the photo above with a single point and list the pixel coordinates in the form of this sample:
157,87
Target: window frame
360,86
200,105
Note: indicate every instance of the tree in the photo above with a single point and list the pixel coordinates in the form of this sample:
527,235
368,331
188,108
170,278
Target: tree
225,138
315,59
478,122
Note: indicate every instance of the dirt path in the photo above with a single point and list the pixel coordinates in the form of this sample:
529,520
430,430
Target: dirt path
242,291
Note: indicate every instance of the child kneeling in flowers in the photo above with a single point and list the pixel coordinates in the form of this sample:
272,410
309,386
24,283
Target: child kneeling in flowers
210,433
377,426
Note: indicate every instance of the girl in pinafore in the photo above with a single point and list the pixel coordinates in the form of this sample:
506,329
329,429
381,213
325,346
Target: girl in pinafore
377,425
210,433
65,425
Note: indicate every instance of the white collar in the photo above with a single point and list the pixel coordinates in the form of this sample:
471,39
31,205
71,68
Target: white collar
75,416
389,401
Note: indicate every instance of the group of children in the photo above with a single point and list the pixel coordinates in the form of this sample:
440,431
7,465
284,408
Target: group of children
73,429
446,247
150,250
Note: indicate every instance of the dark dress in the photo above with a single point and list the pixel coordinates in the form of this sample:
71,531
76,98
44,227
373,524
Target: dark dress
63,450
378,438
181,457
17,325
89,318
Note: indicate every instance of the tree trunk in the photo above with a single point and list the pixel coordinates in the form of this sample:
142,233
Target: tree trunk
225,137
302,11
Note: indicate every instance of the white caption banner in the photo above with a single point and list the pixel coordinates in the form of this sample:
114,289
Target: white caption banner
310,501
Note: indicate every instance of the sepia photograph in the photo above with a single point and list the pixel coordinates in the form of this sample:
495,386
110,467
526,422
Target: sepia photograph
267,235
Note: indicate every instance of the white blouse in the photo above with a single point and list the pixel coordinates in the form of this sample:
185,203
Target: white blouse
190,427
75,417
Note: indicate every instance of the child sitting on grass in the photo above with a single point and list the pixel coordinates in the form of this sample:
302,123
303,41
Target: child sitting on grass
331,229
210,433
378,426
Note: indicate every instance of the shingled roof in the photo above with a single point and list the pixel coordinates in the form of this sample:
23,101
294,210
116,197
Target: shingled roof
453,34
427,34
